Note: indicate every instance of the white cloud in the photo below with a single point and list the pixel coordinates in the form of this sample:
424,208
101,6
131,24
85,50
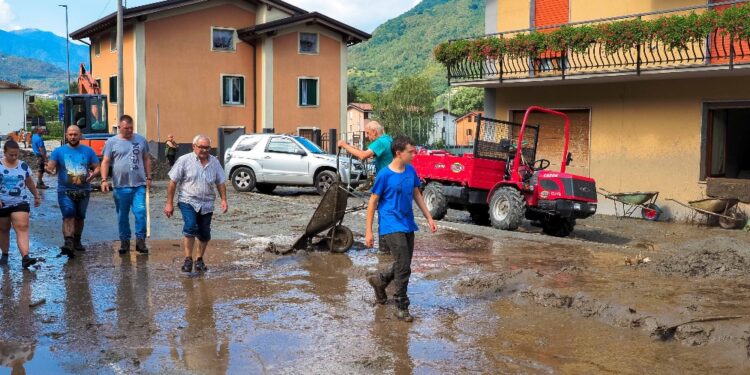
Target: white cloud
362,14
7,17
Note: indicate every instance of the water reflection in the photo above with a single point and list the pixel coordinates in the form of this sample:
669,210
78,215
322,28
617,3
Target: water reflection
204,350
134,314
20,334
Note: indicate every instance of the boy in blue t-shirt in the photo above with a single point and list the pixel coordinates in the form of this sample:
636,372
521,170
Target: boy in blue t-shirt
396,186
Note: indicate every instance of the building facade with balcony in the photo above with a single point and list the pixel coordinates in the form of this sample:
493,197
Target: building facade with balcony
649,117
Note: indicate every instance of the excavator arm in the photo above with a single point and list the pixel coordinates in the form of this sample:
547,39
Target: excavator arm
86,83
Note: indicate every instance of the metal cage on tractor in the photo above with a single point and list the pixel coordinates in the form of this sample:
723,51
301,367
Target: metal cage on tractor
502,182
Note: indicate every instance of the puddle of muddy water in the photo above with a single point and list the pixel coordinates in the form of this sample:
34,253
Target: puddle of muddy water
312,312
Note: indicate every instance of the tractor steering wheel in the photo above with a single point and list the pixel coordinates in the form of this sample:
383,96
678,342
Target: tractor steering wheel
543,164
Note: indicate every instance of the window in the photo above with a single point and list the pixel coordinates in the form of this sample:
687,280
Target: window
113,89
222,39
247,144
308,92
367,115
468,132
97,46
283,146
308,43
727,136
112,42
233,90
99,83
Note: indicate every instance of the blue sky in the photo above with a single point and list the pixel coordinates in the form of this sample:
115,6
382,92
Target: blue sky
47,15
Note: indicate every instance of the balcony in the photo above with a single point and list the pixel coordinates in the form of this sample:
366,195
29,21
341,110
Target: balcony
699,40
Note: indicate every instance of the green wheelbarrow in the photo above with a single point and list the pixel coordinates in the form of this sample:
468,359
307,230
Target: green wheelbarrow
626,204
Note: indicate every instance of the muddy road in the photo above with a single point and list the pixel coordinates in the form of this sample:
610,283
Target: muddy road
485,301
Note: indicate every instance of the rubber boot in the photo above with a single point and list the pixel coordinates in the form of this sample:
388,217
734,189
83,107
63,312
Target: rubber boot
379,286
124,247
402,312
140,245
68,248
77,243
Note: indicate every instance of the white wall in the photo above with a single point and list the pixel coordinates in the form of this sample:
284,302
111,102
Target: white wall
11,110
444,120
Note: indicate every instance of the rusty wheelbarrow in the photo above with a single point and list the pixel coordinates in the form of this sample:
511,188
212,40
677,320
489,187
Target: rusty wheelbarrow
328,217
730,216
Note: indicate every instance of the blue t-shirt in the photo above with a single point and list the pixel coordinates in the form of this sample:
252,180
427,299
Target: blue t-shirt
73,166
395,193
381,147
37,144
13,184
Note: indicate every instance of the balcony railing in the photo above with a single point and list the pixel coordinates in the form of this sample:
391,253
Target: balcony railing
717,50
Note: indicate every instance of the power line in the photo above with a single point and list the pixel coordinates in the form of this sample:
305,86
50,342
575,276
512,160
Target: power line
105,9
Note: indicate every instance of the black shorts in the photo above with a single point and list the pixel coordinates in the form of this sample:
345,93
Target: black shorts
42,160
7,211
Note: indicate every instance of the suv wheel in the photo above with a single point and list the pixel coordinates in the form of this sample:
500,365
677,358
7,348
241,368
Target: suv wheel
324,180
243,179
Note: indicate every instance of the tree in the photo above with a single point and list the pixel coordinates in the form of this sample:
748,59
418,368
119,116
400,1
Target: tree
462,100
352,94
406,108
47,108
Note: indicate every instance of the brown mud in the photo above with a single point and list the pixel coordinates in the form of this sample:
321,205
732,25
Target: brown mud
485,301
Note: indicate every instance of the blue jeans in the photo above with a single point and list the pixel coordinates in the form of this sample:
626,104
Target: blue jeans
196,223
131,199
70,208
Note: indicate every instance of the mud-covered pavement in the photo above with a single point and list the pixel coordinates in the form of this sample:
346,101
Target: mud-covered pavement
485,301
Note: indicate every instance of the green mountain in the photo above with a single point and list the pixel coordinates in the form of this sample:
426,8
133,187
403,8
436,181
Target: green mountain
403,46
41,76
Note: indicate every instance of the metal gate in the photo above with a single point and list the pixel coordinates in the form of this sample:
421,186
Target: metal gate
227,137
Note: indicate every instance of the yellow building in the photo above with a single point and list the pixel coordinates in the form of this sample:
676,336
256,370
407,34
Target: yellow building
224,65
649,119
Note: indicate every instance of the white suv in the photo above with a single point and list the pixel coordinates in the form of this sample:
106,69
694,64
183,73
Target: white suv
264,161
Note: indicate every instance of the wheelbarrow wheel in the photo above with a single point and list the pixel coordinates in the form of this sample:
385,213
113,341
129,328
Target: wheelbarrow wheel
651,212
342,238
737,220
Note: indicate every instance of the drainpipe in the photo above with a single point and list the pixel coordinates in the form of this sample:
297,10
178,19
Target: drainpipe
255,86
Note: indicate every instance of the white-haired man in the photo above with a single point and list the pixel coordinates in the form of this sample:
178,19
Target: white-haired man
380,148
196,173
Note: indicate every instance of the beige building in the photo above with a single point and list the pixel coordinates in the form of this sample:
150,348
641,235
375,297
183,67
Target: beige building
644,120
358,115
225,65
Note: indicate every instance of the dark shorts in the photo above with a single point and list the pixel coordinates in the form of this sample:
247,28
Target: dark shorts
196,224
73,203
42,160
7,211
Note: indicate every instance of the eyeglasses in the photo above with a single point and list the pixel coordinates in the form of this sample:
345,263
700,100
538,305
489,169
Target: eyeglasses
203,147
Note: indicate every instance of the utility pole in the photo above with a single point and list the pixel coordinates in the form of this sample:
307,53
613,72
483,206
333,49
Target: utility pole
67,43
120,80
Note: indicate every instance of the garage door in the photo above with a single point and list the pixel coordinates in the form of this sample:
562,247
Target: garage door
552,136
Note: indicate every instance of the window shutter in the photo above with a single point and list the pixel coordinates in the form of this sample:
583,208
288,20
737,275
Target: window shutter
312,92
242,90
302,92
225,90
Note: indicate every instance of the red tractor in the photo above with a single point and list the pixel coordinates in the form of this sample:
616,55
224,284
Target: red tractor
502,181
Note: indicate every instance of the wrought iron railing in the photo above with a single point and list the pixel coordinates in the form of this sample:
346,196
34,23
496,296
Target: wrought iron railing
717,50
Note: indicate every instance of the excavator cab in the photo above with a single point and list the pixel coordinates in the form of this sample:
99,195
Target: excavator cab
88,112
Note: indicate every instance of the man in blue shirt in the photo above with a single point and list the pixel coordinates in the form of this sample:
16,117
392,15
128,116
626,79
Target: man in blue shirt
396,186
37,145
73,162
380,148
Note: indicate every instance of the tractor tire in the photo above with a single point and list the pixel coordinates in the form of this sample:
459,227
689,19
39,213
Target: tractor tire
324,180
506,208
342,238
651,212
480,214
435,200
243,179
558,226
265,188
